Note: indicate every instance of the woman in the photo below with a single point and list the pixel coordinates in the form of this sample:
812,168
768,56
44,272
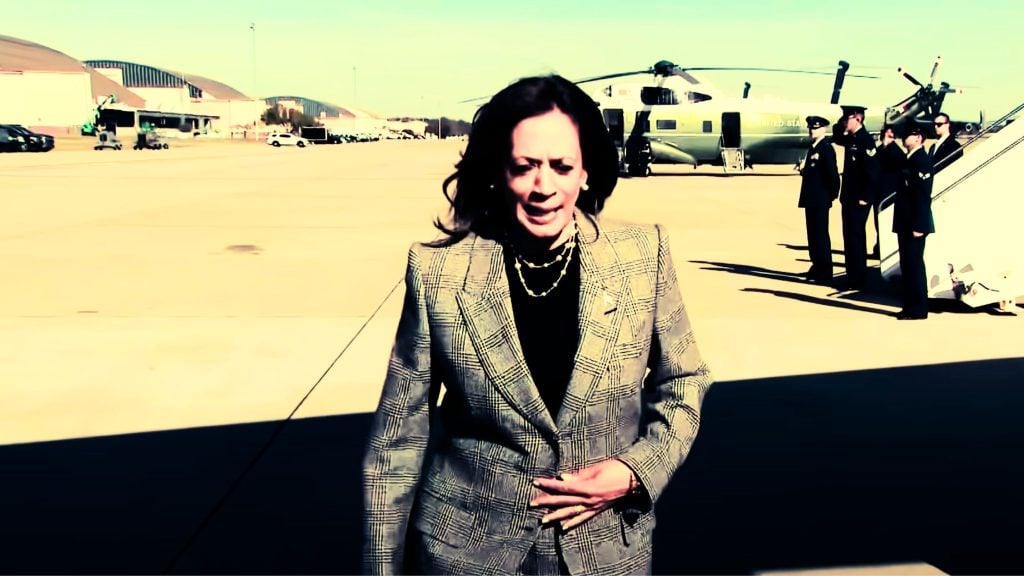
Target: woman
552,442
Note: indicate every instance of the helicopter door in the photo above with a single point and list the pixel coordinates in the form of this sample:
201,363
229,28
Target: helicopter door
616,124
732,153
730,130
613,119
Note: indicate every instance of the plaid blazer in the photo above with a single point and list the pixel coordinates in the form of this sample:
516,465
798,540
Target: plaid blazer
466,496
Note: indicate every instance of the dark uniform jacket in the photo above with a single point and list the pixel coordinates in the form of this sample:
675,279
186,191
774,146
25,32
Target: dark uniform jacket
913,210
860,167
950,149
891,159
820,184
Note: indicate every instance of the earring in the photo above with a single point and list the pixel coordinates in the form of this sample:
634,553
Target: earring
584,187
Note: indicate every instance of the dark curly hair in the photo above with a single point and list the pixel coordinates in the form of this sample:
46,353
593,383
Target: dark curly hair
478,204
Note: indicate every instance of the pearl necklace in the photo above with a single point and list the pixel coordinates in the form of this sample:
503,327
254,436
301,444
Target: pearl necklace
565,256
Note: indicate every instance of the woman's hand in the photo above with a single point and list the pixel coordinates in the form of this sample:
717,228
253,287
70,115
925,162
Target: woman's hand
574,498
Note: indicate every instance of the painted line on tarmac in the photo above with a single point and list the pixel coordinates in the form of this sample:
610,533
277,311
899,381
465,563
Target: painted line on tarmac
273,437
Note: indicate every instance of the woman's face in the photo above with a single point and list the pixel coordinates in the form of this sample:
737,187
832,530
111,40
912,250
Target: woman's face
544,174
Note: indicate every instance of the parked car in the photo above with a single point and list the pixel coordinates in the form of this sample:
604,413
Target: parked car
11,141
285,139
34,141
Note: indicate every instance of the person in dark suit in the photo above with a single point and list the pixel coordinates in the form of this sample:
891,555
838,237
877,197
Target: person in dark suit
819,186
572,382
860,175
890,166
912,222
945,150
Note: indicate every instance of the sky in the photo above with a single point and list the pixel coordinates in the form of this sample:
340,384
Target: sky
421,58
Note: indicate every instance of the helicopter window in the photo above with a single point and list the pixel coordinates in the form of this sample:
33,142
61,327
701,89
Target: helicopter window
654,95
707,128
665,124
697,97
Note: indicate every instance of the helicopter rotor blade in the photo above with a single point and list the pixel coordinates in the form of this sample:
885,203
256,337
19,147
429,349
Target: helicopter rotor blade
907,75
615,75
837,87
472,100
935,69
789,70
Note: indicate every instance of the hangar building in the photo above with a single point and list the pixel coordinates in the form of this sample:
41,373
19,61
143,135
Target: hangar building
174,98
46,89
347,119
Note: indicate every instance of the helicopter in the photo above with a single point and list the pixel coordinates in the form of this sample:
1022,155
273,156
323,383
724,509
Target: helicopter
675,118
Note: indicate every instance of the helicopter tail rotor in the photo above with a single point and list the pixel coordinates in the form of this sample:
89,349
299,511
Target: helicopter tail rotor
840,78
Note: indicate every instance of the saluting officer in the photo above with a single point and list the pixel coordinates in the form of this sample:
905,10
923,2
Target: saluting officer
912,222
819,186
860,174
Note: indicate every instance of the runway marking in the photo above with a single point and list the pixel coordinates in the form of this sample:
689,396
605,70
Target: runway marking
273,437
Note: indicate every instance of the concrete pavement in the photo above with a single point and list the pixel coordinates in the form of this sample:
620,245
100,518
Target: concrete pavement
217,284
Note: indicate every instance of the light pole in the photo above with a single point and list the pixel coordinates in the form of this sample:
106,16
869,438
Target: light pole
255,90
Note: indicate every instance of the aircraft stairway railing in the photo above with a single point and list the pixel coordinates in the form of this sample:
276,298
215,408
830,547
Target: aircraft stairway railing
996,125
984,132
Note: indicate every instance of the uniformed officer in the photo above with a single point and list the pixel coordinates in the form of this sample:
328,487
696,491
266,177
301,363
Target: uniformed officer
819,186
912,222
860,174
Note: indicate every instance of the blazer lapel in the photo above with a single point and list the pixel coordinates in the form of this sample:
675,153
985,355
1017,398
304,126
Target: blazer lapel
601,288
487,311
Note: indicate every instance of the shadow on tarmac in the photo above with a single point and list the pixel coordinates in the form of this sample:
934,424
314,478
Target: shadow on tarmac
908,464
875,291
749,270
833,302
804,248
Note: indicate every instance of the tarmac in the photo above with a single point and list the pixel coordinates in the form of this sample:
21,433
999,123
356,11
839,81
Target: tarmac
220,285
153,290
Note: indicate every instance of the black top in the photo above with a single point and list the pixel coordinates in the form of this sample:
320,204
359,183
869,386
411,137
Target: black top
950,149
548,326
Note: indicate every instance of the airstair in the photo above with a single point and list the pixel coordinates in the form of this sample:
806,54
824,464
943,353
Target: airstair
733,160
976,254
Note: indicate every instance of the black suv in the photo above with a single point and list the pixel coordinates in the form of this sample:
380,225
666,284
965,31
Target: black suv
34,142
11,142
